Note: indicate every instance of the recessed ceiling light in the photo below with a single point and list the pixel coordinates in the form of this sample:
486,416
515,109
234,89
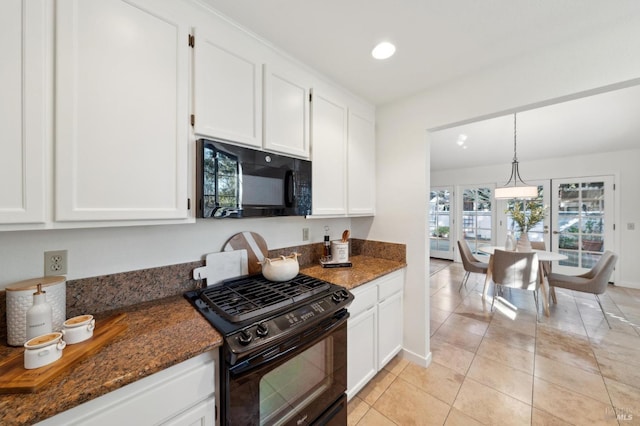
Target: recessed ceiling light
461,139
383,50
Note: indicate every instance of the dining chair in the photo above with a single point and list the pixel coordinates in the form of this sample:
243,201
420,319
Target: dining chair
470,263
518,270
546,266
594,281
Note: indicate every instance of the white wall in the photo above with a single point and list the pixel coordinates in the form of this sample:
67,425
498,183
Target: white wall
605,58
623,165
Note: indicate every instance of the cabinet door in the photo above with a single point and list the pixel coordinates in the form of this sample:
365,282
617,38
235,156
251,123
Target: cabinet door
22,111
361,160
227,87
121,110
203,414
329,144
286,112
361,350
389,328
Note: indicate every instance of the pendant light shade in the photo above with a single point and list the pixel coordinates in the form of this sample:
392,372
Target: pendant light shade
515,187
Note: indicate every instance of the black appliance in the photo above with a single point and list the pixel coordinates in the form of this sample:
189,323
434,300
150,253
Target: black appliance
232,181
284,356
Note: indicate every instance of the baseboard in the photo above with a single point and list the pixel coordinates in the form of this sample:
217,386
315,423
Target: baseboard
415,358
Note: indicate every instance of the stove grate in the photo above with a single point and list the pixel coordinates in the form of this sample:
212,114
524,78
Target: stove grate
245,298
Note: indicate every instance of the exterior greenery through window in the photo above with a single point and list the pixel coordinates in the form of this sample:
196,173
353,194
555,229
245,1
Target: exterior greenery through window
476,216
528,215
221,181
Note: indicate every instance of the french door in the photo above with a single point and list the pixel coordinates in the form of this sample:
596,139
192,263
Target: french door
477,215
582,221
441,232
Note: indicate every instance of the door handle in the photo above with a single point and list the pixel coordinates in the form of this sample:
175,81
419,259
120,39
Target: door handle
555,232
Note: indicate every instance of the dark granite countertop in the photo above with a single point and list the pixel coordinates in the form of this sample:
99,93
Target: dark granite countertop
160,334
364,269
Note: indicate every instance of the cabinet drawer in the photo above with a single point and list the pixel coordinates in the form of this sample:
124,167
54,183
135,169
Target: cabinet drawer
365,297
390,284
150,400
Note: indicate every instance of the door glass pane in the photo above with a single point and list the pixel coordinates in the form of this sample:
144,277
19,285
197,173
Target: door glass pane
439,220
477,217
581,222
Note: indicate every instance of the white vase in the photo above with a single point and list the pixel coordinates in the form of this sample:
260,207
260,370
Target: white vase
524,245
510,244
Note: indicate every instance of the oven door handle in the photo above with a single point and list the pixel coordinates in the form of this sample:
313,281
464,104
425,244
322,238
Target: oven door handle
275,353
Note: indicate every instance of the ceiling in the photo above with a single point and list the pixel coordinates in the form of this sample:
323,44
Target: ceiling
438,41
599,123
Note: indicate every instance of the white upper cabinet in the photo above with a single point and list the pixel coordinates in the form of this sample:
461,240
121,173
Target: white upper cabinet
121,121
361,164
343,156
329,145
23,89
227,88
286,111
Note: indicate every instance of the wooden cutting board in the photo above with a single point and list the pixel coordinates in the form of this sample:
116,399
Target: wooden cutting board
14,378
255,246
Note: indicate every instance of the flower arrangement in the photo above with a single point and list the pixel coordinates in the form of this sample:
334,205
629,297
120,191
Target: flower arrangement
527,218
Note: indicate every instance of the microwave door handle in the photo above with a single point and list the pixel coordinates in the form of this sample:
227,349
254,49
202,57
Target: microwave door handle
289,191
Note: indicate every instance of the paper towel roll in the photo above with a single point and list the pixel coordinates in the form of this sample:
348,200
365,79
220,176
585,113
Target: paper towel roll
20,299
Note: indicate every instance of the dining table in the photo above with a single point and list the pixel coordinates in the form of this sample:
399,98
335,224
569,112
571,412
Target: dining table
544,257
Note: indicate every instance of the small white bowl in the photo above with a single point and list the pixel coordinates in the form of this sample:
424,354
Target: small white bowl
43,350
78,329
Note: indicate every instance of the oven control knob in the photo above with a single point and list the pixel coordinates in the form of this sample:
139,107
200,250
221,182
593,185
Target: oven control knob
262,329
245,337
336,297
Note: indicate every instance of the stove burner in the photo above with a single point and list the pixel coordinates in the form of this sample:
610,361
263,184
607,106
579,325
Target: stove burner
249,297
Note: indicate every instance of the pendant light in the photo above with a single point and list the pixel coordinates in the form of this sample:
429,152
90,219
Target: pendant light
516,187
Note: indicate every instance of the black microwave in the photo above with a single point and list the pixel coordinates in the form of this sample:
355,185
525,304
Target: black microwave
237,182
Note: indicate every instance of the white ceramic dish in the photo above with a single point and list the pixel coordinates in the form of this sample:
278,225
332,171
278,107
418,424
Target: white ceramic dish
78,329
282,268
43,350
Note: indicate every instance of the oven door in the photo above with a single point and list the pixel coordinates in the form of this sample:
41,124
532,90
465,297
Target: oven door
295,382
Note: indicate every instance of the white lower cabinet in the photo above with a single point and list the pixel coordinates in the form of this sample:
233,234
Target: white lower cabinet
362,342
374,330
182,395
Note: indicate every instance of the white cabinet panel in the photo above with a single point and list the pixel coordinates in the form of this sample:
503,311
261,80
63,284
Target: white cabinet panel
361,161
203,414
329,144
227,88
286,112
23,99
389,329
374,329
361,350
177,395
121,110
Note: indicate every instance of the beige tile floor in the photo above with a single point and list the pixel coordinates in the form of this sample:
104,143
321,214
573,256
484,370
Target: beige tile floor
490,369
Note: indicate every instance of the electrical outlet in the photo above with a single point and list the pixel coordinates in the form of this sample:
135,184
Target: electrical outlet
305,234
55,262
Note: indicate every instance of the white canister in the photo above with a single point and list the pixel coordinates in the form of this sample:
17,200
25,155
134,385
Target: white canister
43,350
20,299
339,251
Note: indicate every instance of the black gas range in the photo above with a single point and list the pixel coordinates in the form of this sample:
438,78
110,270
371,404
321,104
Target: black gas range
283,360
